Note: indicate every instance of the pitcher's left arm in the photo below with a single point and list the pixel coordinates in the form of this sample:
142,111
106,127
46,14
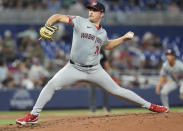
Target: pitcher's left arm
116,42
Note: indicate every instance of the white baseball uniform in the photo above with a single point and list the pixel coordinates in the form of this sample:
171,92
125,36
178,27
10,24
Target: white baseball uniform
85,65
176,74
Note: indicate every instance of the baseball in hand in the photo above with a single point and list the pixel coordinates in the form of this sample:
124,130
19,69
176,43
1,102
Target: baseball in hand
130,35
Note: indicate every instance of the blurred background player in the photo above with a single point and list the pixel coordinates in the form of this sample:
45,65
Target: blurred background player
172,68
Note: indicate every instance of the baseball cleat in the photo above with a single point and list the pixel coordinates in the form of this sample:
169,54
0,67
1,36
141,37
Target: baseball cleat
158,108
28,119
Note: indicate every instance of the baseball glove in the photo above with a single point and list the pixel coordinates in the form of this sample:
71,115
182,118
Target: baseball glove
47,32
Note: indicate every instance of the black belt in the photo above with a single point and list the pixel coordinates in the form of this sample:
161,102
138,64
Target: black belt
72,62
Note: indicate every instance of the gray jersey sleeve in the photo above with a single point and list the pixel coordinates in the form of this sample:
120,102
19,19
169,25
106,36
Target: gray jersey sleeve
164,71
75,21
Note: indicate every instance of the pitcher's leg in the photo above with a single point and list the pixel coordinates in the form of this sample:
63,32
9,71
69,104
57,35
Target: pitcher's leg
105,81
170,86
65,76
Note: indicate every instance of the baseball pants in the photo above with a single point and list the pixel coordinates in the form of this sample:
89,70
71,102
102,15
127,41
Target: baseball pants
167,88
71,73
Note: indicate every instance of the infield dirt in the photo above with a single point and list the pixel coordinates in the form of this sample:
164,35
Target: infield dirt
98,122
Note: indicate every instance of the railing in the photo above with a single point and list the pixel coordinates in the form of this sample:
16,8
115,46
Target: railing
145,77
111,17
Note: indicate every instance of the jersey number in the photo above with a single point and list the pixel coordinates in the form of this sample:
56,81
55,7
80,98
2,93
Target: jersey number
97,50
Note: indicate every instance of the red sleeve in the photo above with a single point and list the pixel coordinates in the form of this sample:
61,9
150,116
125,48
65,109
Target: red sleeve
69,20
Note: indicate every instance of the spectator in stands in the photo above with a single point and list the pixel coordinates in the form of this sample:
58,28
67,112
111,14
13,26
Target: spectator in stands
30,32
116,59
9,82
138,58
173,8
157,44
37,71
147,41
26,82
66,3
17,72
78,5
8,47
9,3
39,52
1,47
135,83
28,43
1,5
3,70
52,67
59,34
61,57
29,50
53,5
180,3
160,5
19,4
148,64
123,5
25,47
151,4
24,66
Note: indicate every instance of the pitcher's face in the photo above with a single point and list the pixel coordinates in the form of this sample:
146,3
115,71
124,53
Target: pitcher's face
94,15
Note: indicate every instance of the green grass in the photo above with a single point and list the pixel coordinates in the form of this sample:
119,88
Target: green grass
8,122
3,122
81,111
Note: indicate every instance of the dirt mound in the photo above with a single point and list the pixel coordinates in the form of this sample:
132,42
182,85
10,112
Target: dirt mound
110,122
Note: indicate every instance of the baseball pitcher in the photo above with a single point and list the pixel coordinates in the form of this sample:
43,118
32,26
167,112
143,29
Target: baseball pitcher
173,68
84,64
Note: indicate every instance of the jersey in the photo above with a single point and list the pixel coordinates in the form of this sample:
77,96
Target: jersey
87,41
175,72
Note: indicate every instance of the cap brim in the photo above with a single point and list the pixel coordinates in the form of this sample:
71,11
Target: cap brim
170,54
92,7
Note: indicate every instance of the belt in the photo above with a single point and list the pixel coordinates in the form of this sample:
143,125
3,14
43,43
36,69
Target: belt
72,62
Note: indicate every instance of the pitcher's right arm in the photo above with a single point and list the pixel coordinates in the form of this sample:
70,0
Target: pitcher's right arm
58,18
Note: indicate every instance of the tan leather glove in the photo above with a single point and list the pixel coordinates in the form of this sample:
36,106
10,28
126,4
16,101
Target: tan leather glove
47,32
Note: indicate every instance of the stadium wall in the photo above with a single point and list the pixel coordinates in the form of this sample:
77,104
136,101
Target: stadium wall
22,99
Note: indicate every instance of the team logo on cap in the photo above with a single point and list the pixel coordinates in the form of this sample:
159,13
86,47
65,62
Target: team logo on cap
169,51
94,4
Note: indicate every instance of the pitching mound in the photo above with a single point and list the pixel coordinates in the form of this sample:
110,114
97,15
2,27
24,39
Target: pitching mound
111,122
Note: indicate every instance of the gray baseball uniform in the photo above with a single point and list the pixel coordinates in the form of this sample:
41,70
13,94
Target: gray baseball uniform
87,41
176,74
